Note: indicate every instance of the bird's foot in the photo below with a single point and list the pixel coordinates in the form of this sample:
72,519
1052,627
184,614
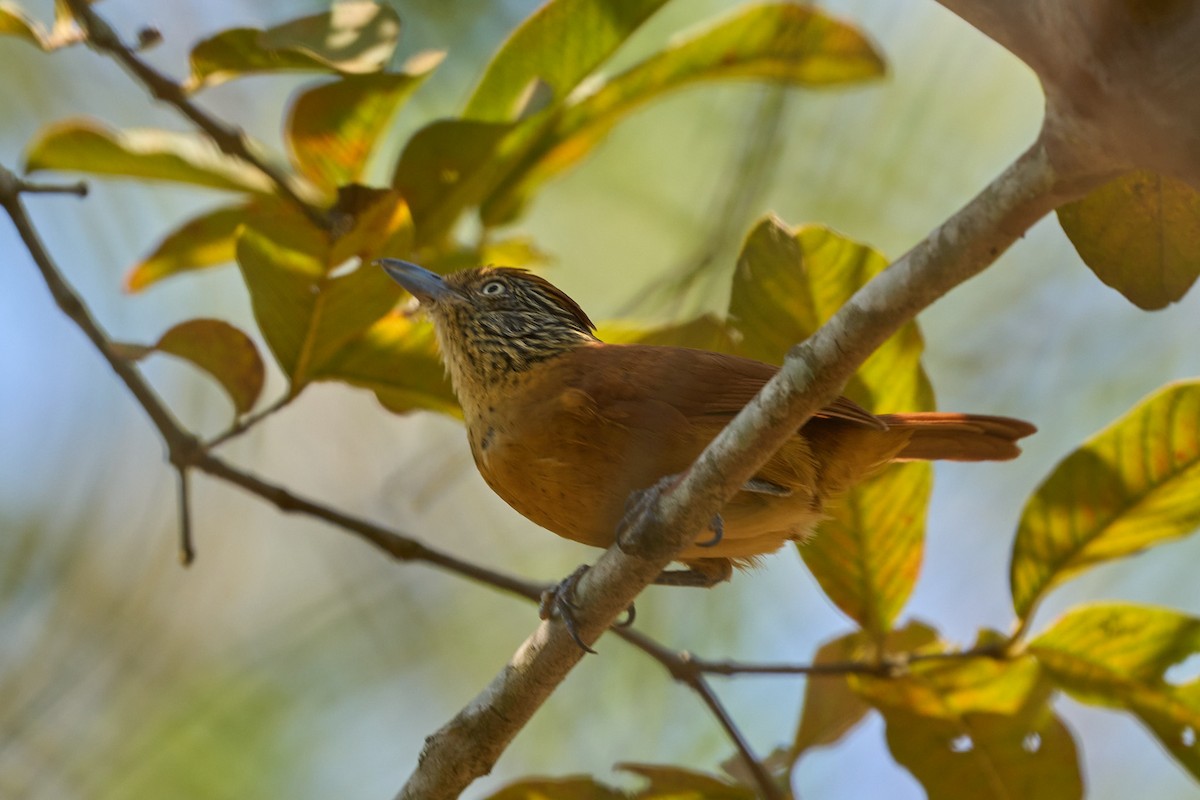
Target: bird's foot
643,502
559,600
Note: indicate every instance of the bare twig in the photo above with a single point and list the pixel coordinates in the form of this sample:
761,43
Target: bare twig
229,139
892,665
685,670
185,451
187,549
813,374
79,188
249,421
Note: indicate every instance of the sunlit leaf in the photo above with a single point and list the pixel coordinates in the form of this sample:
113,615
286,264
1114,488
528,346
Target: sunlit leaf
218,348
516,251
977,723
397,359
353,37
674,782
559,45
1140,234
831,708
783,42
201,242
867,555
575,788
333,128
1134,485
83,145
1119,656
305,315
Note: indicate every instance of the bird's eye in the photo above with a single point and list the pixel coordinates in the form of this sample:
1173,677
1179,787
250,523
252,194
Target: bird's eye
493,288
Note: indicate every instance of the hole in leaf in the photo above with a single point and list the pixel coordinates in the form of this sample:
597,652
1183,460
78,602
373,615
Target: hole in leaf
961,744
344,268
1032,742
1184,671
1188,737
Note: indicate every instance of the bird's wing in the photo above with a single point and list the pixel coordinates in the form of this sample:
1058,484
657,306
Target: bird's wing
701,383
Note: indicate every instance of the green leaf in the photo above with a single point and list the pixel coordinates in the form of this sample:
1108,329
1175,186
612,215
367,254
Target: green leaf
397,359
1132,486
782,42
979,723
1118,655
558,46
1140,234
305,315
82,145
205,241
574,788
333,128
867,555
353,37
446,167
681,784
218,348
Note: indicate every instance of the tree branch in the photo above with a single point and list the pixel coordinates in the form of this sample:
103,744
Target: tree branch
814,372
229,139
184,451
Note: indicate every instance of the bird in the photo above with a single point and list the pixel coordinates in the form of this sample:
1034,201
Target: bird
566,428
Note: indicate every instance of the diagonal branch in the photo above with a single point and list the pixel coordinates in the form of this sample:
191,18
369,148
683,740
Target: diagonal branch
229,139
814,372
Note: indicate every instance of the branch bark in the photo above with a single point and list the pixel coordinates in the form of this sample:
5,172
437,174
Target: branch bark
468,746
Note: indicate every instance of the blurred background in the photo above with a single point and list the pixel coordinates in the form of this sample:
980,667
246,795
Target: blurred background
291,660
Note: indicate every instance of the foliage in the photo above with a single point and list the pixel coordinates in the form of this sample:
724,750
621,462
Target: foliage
983,718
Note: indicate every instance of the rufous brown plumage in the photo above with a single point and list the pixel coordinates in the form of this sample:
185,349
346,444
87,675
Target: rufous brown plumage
565,427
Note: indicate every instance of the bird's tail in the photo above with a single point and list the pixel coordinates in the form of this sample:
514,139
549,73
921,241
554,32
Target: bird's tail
958,437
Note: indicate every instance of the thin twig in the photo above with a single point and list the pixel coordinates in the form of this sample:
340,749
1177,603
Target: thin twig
247,422
184,450
685,670
893,664
187,550
229,139
79,188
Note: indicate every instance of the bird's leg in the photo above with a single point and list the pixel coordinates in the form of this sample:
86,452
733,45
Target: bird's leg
701,574
643,501
559,600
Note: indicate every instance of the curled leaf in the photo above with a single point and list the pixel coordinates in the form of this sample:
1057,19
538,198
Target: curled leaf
218,348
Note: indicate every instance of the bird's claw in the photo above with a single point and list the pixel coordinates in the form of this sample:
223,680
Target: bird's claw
559,600
717,526
639,504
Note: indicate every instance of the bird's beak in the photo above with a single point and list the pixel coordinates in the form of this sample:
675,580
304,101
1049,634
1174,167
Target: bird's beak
420,282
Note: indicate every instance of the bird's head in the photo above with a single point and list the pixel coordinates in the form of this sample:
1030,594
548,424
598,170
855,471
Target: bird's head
492,322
